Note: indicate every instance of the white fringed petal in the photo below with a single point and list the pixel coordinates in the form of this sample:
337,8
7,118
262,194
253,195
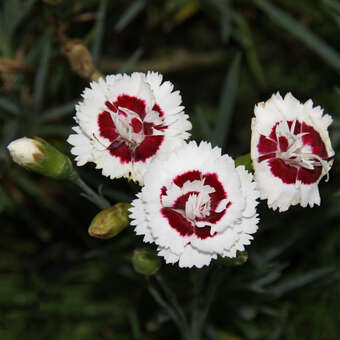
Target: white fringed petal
194,182
90,144
281,193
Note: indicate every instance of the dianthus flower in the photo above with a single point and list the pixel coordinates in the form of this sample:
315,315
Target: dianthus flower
195,205
126,121
290,151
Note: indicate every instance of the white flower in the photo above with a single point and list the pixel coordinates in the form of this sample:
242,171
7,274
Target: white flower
290,151
195,205
24,151
126,121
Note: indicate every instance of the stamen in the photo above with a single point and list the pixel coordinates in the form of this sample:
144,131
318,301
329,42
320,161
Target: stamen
197,206
125,129
296,154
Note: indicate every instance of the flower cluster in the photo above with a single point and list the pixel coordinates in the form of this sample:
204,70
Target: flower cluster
195,204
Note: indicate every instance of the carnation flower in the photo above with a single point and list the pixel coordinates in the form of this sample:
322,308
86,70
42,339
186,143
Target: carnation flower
195,205
290,150
126,121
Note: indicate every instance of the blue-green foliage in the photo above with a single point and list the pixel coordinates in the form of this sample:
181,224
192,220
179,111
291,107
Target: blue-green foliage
225,56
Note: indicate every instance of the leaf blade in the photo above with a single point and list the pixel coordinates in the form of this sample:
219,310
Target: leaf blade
226,106
326,52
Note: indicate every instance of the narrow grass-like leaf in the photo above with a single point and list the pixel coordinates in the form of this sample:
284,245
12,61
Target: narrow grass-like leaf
24,182
223,7
260,284
9,106
300,281
117,195
10,132
244,35
171,297
135,324
58,112
39,82
54,130
99,31
226,106
167,308
333,5
130,13
13,16
130,63
331,56
204,124
5,200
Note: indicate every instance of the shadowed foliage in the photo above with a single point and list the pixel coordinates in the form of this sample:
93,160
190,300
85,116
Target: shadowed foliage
56,282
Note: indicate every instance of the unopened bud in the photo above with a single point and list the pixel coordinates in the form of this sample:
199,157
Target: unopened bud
145,261
110,222
241,258
37,155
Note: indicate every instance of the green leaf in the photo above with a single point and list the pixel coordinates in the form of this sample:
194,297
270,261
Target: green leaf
300,281
25,182
14,11
130,63
99,30
333,5
11,16
244,35
39,83
135,324
9,106
223,7
58,112
129,14
203,122
287,22
226,106
54,130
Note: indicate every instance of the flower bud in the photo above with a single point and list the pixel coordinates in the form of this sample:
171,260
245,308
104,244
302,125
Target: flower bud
145,261
241,258
110,222
37,155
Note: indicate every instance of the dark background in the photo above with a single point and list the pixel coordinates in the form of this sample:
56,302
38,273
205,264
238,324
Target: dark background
224,56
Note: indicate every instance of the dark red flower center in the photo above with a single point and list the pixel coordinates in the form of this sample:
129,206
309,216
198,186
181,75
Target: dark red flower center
294,152
126,125
195,207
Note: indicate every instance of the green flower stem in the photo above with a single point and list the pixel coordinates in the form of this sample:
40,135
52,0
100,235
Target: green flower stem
205,285
172,298
216,279
89,193
168,308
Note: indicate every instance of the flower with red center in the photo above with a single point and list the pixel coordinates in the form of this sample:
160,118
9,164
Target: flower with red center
125,121
195,205
290,151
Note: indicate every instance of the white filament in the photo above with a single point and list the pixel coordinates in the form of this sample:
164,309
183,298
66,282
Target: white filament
297,153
